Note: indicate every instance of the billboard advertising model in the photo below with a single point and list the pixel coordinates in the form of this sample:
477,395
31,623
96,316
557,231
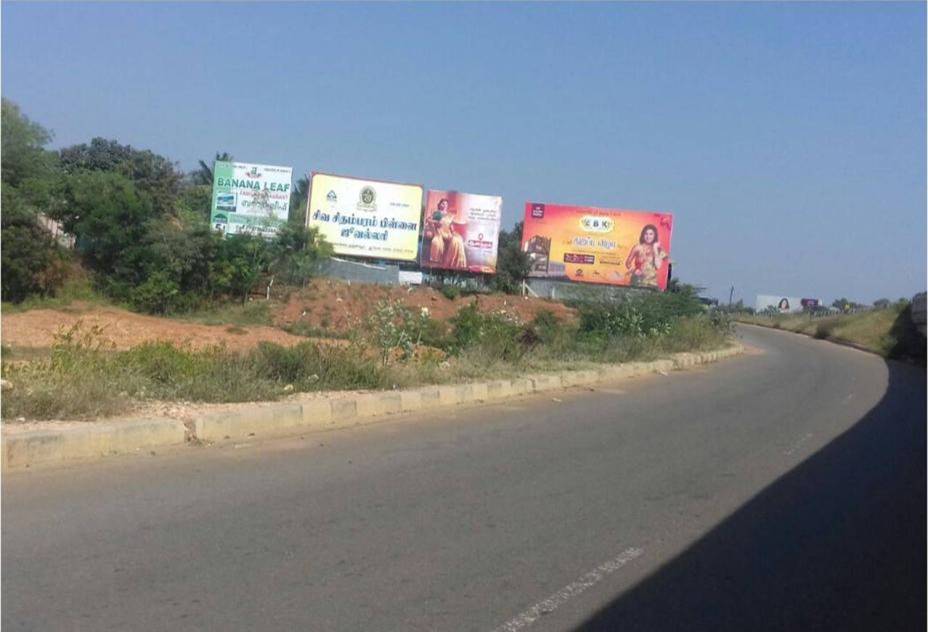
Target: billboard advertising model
460,231
366,218
784,304
595,245
250,198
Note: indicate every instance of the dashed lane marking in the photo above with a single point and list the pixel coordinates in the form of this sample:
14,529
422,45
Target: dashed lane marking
571,590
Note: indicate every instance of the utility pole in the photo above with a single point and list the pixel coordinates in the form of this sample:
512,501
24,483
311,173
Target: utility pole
731,293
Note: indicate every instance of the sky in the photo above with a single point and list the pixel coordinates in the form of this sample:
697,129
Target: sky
788,140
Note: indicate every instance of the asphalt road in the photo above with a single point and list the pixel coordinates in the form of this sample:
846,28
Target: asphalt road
780,490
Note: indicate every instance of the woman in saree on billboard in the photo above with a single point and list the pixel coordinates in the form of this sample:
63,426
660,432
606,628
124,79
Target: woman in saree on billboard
460,232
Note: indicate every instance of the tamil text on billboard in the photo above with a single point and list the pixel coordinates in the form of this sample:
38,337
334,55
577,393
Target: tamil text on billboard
366,218
250,198
460,231
596,245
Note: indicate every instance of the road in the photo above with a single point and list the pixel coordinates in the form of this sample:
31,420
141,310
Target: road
780,490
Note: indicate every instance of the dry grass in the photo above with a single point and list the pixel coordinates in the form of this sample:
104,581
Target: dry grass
888,332
86,377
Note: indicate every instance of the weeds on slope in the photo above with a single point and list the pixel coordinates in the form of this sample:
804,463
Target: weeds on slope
85,377
889,332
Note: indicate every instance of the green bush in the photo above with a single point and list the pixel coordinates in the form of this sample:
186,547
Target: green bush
435,333
495,334
650,314
296,253
546,324
159,294
451,292
32,262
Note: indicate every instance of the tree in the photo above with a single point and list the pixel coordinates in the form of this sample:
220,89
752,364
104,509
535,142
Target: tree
512,264
154,175
239,263
23,144
204,174
297,251
32,262
298,199
881,303
845,304
109,217
183,250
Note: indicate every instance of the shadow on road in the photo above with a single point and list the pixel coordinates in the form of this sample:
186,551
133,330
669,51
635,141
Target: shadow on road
838,543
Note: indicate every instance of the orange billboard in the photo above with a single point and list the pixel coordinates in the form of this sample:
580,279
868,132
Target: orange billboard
598,245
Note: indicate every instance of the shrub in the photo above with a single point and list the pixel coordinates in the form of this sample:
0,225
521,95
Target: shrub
546,324
824,328
393,327
450,292
649,314
498,335
33,263
159,294
296,253
435,333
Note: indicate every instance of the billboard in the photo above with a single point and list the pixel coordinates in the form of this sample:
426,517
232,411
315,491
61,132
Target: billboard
783,304
249,198
366,218
460,231
596,245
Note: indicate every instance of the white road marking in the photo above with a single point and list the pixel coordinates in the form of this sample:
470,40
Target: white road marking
553,602
796,445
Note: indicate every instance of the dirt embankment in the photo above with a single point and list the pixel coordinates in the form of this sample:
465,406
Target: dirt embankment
326,306
338,306
37,328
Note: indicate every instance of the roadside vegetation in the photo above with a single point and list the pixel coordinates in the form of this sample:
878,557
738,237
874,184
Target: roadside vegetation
84,377
132,230
887,330
106,224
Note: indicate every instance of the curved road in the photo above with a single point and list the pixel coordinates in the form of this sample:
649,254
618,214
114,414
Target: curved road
780,490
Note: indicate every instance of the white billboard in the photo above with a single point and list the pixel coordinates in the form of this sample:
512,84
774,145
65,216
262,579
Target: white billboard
366,218
782,304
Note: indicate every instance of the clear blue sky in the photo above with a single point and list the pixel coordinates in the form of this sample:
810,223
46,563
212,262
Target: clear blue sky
787,139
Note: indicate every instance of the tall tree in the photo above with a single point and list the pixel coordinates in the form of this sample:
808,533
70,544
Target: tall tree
33,263
512,264
24,154
298,199
204,174
154,175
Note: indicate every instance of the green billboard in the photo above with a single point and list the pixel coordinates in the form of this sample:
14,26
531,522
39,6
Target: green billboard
249,198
